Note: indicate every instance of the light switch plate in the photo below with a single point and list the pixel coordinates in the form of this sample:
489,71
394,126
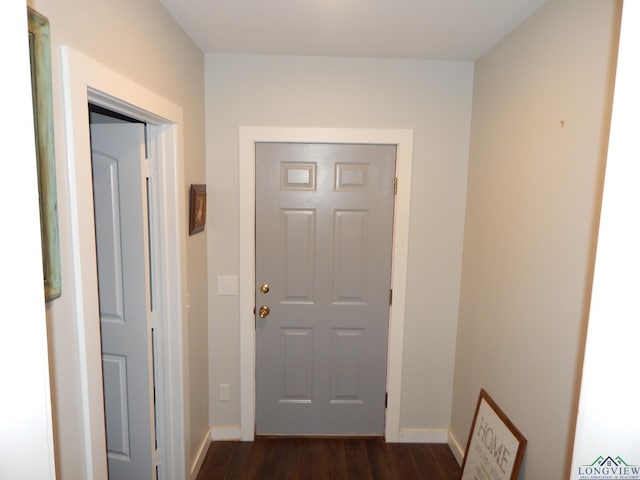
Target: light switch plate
227,285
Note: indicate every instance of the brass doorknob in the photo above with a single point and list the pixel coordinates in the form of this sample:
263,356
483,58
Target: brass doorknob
263,311
264,288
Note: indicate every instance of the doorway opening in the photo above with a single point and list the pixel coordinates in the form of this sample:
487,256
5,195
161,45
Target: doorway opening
248,138
126,234
88,82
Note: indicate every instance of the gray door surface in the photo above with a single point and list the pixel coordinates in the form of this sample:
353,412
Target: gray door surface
123,282
324,220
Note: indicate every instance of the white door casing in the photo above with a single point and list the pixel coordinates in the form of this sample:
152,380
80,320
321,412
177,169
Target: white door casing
86,81
248,137
324,216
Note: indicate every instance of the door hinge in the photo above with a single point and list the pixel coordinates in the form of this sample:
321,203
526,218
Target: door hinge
147,167
391,296
395,186
386,399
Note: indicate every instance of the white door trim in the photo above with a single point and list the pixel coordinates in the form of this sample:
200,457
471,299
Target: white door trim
248,136
86,80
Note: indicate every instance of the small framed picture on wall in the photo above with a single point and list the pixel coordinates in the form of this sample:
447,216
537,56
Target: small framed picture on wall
197,208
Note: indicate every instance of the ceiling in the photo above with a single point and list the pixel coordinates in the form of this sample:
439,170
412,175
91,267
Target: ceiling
431,29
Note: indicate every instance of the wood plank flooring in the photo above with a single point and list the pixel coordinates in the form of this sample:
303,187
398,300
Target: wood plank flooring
327,458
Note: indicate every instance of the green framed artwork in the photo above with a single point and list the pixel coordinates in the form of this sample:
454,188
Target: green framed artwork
39,50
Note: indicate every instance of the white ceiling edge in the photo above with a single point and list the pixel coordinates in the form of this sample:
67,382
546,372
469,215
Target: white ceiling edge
420,29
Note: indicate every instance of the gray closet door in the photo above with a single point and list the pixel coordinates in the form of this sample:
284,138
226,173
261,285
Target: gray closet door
123,272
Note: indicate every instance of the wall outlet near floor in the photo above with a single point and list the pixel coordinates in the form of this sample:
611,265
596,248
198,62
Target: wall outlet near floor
224,393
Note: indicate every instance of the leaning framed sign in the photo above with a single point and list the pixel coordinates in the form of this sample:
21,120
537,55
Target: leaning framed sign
495,447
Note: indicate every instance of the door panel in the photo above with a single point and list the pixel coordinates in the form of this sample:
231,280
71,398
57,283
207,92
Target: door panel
114,372
347,348
123,273
298,233
298,365
109,253
324,219
349,254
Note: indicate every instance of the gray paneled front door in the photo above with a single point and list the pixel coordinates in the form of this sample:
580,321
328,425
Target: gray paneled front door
324,220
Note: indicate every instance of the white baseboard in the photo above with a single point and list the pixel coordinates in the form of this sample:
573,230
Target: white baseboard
226,433
423,435
202,452
456,447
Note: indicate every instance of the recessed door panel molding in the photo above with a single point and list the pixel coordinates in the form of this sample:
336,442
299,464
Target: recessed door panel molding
298,365
114,368
298,176
350,255
299,233
352,177
347,365
109,252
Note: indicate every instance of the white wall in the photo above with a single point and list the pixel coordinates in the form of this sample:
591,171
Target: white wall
609,418
432,98
26,439
539,133
140,41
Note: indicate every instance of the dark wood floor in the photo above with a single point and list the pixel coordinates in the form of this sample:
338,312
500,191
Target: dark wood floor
327,458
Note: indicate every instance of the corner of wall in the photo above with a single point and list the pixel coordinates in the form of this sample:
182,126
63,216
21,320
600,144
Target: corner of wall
456,448
201,454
